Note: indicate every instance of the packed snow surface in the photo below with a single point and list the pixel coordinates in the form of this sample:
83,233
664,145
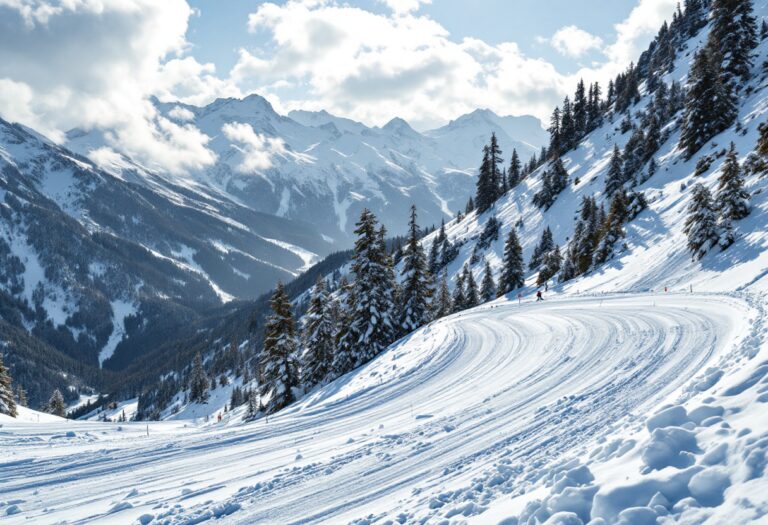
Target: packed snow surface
469,418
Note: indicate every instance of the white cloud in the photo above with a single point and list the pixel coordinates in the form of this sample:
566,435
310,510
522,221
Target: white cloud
257,150
372,67
181,114
573,42
401,7
93,64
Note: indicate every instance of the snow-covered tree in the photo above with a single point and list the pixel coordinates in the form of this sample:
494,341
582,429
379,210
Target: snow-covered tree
7,403
471,293
709,104
371,324
733,35
613,230
731,198
701,222
615,179
56,405
458,300
198,382
318,337
489,180
278,368
488,285
546,243
550,265
514,176
512,272
442,304
416,288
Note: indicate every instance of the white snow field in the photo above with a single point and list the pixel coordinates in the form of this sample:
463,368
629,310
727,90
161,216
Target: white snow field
469,419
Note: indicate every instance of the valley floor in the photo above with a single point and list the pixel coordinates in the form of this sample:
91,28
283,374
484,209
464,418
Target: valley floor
469,419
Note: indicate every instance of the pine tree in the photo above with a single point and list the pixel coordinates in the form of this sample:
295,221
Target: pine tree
733,35
495,160
371,325
416,292
484,195
198,382
701,222
512,273
56,405
515,175
7,403
586,241
488,285
567,126
555,138
21,396
278,367
318,337
614,179
459,301
470,206
434,257
551,263
580,110
545,246
613,229
709,104
731,197
442,303
471,293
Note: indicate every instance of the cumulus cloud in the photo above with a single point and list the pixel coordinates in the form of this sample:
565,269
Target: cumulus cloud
93,64
257,150
404,6
574,42
372,67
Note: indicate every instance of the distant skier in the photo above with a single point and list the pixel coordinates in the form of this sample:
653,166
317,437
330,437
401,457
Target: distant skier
538,296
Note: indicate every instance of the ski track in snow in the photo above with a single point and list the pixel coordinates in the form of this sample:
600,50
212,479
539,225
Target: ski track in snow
420,433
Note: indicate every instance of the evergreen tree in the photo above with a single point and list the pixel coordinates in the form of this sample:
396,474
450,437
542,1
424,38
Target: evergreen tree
7,403
371,324
709,105
515,175
198,382
512,273
442,303
495,160
470,206
471,293
613,229
434,257
555,139
544,247
416,291
589,233
458,301
551,263
614,179
731,197
567,126
485,194
733,35
318,337
580,110
278,367
56,405
488,285
701,222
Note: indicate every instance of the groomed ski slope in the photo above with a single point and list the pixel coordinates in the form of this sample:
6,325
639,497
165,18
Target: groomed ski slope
462,415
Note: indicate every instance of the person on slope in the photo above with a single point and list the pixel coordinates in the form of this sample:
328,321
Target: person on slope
538,296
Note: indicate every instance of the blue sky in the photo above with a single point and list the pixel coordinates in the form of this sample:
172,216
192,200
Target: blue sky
96,64
221,29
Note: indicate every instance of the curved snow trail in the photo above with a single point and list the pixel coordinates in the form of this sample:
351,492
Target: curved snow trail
439,425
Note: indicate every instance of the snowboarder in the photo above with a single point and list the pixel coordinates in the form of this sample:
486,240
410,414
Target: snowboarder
538,296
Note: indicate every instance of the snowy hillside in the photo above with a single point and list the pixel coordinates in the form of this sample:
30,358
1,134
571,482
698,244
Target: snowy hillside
468,420
315,167
90,261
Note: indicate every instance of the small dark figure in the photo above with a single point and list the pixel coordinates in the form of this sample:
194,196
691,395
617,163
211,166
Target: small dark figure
538,296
